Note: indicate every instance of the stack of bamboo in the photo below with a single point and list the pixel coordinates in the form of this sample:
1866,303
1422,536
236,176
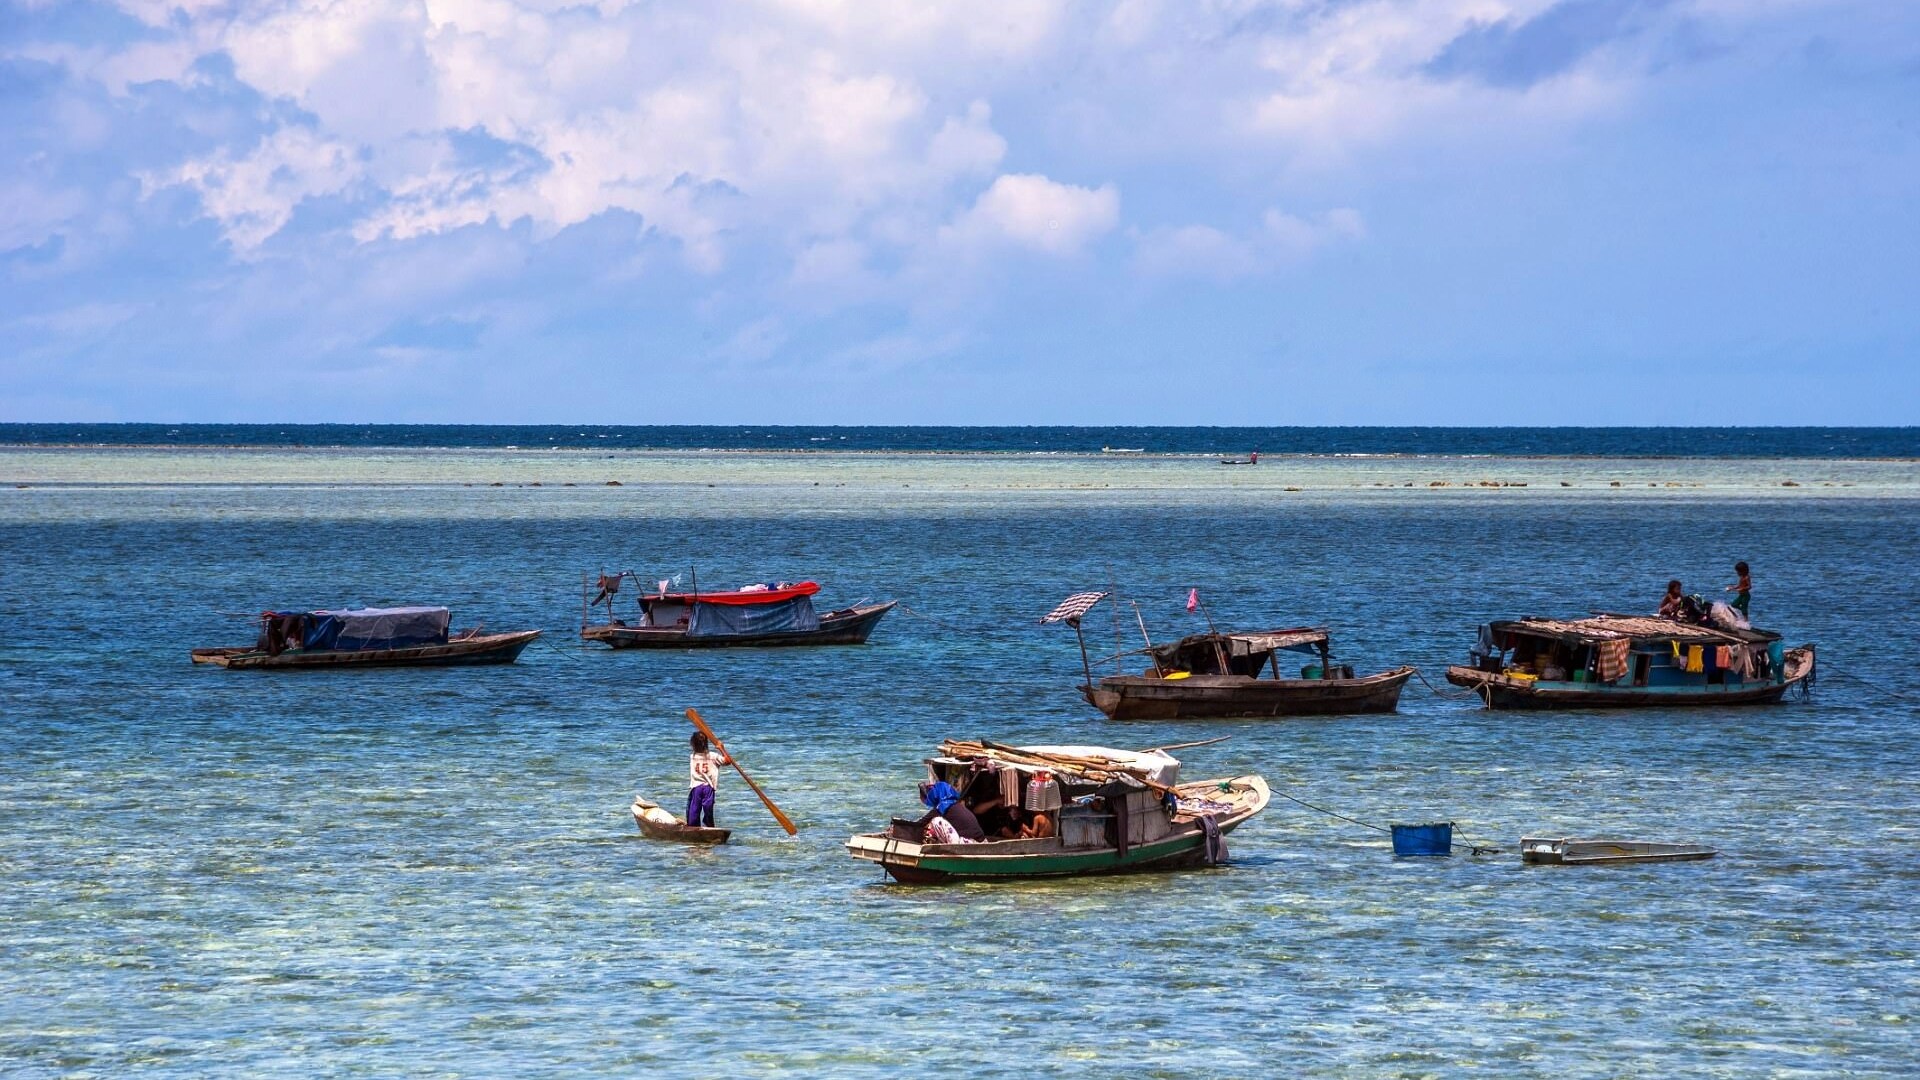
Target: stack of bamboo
1097,769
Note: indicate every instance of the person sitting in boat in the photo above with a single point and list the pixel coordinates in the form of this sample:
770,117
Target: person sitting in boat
1674,604
1039,825
948,806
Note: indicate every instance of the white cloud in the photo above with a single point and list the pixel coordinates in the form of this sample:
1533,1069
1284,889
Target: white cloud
1294,238
1194,251
1034,212
30,214
1202,251
254,196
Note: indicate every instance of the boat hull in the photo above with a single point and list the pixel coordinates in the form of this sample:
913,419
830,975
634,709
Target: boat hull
1505,692
677,831
1570,852
1142,697
850,627
479,649
936,864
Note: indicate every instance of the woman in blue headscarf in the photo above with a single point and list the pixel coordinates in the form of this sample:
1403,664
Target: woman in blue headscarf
947,803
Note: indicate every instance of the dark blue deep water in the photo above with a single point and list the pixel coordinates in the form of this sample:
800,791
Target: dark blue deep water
432,872
1764,442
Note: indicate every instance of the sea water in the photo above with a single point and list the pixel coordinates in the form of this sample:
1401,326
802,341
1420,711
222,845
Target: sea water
434,871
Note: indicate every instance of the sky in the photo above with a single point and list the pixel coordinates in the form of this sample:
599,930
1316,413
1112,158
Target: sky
812,211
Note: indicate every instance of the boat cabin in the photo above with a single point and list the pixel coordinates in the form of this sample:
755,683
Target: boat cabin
1631,650
1247,654
1036,792
356,630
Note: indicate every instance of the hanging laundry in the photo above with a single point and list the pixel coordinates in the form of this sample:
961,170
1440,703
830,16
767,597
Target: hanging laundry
1696,659
1010,786
1723,658
1610,659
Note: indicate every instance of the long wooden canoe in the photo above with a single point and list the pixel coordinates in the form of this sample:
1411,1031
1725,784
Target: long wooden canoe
1149,697
662,825
999,860
1566,851
477,649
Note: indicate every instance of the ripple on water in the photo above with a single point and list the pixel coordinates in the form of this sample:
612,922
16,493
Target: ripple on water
435,871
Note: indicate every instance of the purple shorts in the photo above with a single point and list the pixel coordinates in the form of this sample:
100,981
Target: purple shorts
700,805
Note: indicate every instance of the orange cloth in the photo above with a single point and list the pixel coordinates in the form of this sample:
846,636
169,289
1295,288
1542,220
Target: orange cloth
1610,661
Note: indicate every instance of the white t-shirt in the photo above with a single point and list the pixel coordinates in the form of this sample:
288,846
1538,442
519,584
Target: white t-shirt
705,769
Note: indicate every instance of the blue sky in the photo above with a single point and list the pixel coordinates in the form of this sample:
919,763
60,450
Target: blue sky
1326,212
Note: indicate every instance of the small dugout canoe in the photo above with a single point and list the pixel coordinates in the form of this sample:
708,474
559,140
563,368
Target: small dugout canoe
1567,851
659,824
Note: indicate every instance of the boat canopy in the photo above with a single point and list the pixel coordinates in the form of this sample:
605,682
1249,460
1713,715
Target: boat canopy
371,628
746,596
1196,652
1648,629
1153,766
731,619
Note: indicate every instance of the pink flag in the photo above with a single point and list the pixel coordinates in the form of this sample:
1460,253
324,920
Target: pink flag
1193,599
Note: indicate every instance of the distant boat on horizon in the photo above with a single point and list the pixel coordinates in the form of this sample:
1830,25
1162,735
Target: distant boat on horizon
1123,449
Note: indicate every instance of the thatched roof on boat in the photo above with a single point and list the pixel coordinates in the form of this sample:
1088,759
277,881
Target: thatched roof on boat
1633,627
1244,644
1269,640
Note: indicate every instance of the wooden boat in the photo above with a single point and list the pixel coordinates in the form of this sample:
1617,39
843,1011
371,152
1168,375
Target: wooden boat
662,825
366,637
1114,817
1566,851
757,616
1250,459
1226,676
1630,661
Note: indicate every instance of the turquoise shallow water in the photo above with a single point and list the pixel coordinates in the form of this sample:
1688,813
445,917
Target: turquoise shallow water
433,872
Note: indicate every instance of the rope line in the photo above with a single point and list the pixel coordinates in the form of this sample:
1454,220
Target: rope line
931,619
1475,848
1329,813
556,648
1445,693
1876,687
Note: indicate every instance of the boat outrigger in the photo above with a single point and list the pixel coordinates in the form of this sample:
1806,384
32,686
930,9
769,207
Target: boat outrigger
366,637
1630,661
1097,810
757,615
1223,675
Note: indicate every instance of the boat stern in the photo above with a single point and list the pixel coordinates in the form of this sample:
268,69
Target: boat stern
898,857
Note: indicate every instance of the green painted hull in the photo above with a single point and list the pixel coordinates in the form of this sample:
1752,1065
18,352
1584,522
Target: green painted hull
1165,854
935,864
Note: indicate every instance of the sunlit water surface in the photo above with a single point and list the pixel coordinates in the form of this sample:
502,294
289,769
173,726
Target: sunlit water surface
433,871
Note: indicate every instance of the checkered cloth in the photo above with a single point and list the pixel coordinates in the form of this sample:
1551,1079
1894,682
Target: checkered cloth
1073,607
1611,661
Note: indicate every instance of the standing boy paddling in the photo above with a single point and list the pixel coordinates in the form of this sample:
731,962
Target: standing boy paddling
703,775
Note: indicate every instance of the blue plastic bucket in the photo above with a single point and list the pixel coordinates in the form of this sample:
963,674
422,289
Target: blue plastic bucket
1433,839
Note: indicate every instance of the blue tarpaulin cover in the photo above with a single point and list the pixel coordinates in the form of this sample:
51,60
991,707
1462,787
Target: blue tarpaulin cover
378,628
735,619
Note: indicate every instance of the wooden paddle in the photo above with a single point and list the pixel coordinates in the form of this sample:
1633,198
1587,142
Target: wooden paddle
694,715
